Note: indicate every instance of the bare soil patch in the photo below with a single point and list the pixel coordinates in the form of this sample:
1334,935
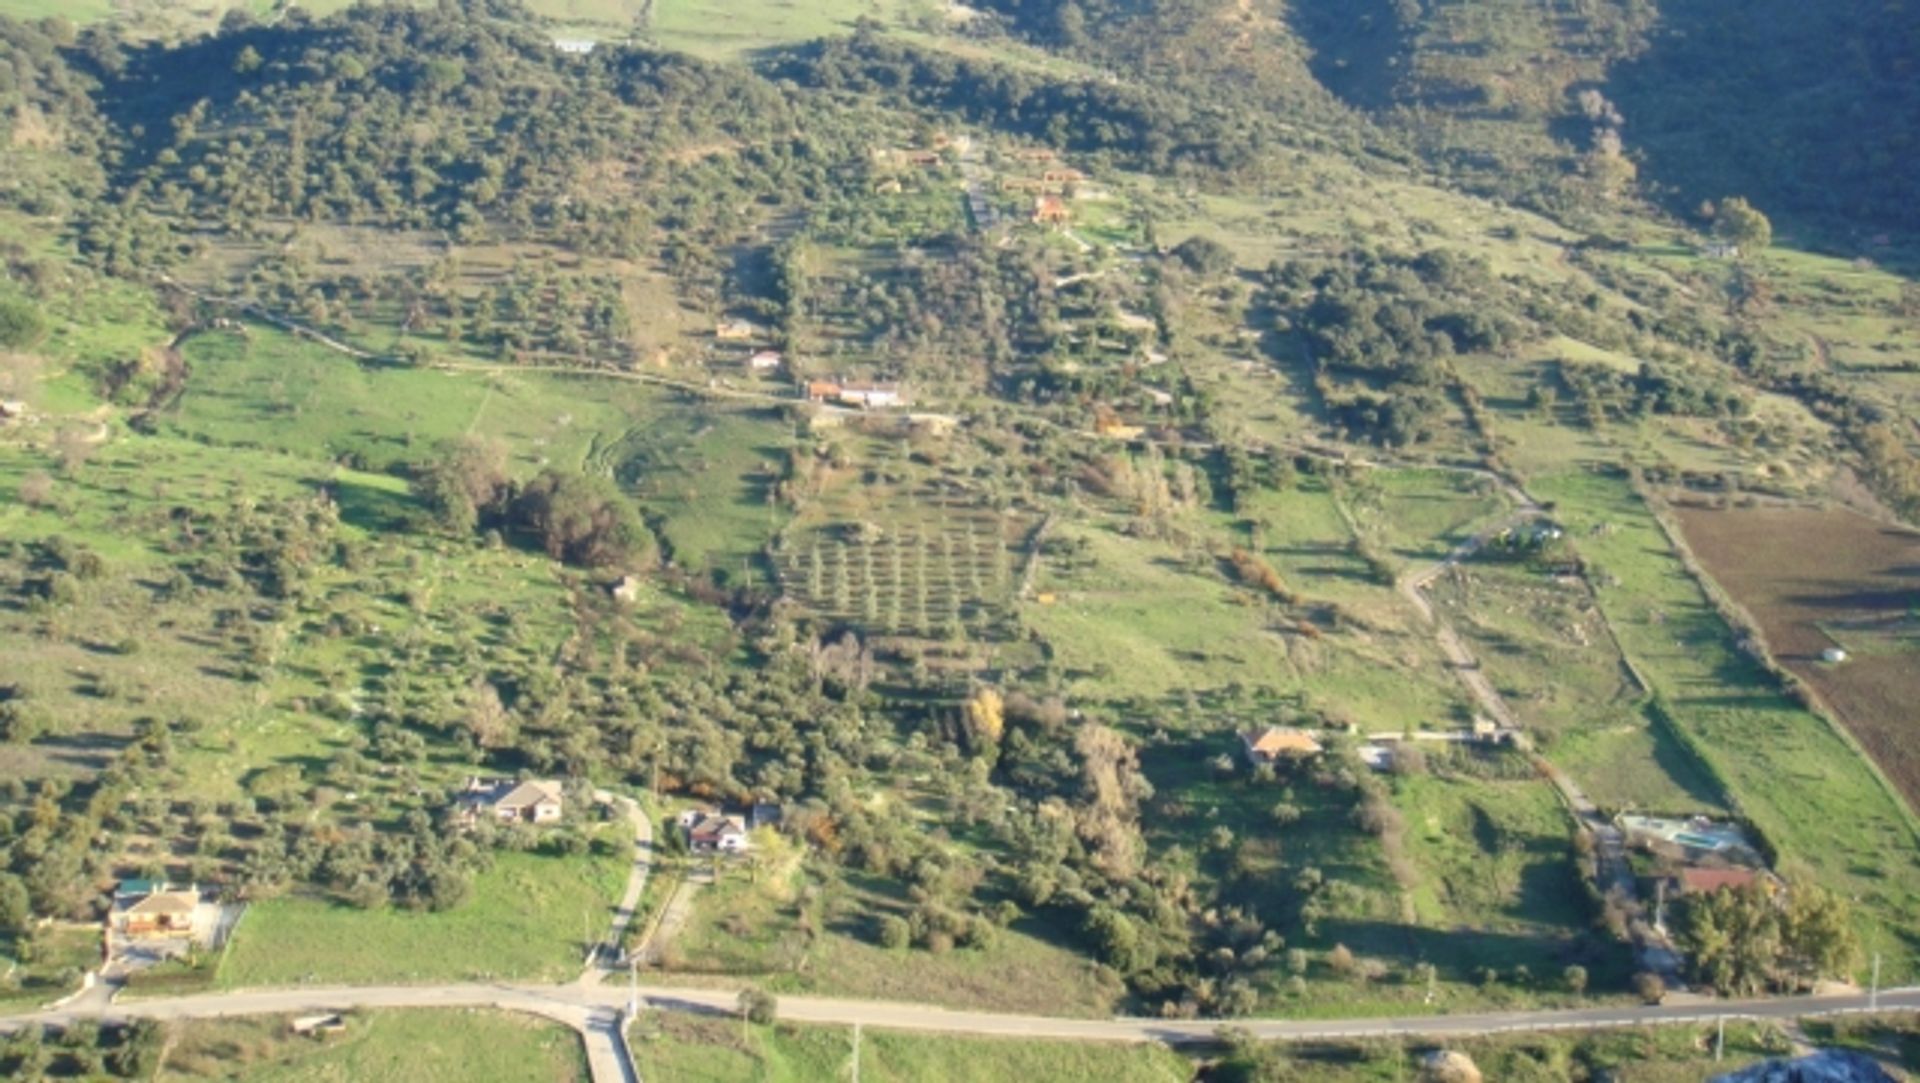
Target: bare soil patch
1817,579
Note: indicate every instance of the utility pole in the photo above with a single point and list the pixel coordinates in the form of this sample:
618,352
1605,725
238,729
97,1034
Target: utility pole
856,1053
1720,1041
633,988
1873,997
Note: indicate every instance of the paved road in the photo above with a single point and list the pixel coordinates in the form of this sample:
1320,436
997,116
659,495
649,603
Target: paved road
580,1006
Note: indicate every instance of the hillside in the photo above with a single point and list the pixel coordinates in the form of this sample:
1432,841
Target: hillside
1766,100
966,433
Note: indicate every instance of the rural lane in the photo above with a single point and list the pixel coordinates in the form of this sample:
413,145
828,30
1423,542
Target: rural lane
1615,873
606,955
581,1006
603,1028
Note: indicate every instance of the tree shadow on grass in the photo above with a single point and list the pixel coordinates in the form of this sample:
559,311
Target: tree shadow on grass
86,751
1684,769
1460,953
372,509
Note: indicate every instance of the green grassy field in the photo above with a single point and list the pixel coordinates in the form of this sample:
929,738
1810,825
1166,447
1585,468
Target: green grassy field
1302,533
1420,515
1495,859
725,30
707,466
529,917
267,389
423,1045
80,11
59,955
1548,650
1802,785
745,931
1138,618
716,1051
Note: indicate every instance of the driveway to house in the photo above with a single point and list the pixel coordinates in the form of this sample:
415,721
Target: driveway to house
606,956
673,917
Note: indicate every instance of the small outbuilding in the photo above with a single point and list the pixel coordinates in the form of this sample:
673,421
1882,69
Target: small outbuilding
736,330
869,395
325,1023
1277,744
1051,211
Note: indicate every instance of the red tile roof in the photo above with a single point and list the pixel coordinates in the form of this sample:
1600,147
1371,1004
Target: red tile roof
1703,881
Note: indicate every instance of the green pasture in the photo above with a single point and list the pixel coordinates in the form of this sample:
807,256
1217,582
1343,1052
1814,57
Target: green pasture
1805,787
1548,650
1137,618
1421,515
427,1045
529,917
46,964
716,1051
730,30
1496,884
741,930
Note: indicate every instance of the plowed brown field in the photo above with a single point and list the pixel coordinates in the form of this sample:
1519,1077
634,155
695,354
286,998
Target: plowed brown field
1821,578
